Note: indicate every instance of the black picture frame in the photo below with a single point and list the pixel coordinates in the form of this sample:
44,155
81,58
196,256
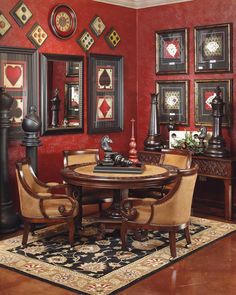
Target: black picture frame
53,82
172,51
204,93
213,48
22,63
173,101
72,68
73,94
106,94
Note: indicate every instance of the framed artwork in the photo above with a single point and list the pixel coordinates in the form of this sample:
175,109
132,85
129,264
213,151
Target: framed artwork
37,35
172,51
85,40
213,50
14,75
106,94
16,111
112,38
21,13
173,101
4,25
19,77
72,68
205,91
97,25
73,103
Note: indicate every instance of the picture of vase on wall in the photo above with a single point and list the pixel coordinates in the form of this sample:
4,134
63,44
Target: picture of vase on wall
173,101
172,51
213,50
205,91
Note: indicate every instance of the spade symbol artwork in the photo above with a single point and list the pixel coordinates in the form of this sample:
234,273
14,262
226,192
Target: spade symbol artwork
105,79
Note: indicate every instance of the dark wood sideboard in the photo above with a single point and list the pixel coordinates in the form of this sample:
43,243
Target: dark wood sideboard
223,169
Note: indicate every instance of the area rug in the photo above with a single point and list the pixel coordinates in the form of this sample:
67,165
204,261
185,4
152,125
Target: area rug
100,267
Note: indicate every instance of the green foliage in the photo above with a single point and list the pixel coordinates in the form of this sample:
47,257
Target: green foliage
188,142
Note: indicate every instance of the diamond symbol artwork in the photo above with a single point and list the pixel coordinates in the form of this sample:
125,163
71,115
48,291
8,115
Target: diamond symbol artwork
105,107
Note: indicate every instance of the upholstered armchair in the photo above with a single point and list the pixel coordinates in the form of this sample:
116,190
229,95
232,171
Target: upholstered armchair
181,159
89,196
169,214
39,203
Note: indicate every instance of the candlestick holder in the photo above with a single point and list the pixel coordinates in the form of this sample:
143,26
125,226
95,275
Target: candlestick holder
133,155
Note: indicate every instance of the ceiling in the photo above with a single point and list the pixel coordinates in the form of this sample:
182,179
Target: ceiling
136,4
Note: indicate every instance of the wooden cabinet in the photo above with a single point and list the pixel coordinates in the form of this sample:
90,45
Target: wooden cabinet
223,169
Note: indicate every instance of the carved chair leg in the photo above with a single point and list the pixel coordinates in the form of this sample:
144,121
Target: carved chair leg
77,193
172,244
123,235
27,228
71,227
187,236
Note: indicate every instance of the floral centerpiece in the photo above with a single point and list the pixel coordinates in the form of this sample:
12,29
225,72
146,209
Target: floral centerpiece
190,142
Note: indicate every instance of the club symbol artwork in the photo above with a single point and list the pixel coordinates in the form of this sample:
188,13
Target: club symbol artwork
105,78
16,111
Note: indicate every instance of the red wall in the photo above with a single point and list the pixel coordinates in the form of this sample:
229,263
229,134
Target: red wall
123,20
182,15
138,49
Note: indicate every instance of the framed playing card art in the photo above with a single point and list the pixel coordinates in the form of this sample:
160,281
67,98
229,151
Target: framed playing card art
21,13
173,101
213,50
205,91
172,51
18,75
106,95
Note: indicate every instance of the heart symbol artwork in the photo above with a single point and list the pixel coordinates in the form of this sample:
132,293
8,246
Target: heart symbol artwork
13,73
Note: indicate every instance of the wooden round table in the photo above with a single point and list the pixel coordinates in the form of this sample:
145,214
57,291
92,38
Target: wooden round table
79,176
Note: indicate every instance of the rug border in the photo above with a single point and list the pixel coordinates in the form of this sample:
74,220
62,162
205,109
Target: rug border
133,282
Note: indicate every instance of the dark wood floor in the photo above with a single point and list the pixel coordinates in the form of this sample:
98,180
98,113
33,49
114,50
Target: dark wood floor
211,270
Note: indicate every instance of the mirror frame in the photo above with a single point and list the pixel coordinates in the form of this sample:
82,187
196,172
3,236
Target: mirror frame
46,129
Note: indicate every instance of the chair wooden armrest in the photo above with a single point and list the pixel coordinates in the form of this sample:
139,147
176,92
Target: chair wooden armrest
61,205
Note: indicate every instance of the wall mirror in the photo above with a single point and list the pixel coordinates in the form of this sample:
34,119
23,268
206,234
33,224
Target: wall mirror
61,93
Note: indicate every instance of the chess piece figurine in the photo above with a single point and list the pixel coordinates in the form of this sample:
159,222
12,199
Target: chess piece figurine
133,155
171,125
201,136
31,125
154,141
105,145
216,145
55,109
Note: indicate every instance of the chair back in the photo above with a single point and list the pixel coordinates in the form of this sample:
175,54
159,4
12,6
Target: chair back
176,206
72,157
179,158
28,188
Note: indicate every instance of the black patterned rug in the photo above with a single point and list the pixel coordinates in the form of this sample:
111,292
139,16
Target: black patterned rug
101,267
